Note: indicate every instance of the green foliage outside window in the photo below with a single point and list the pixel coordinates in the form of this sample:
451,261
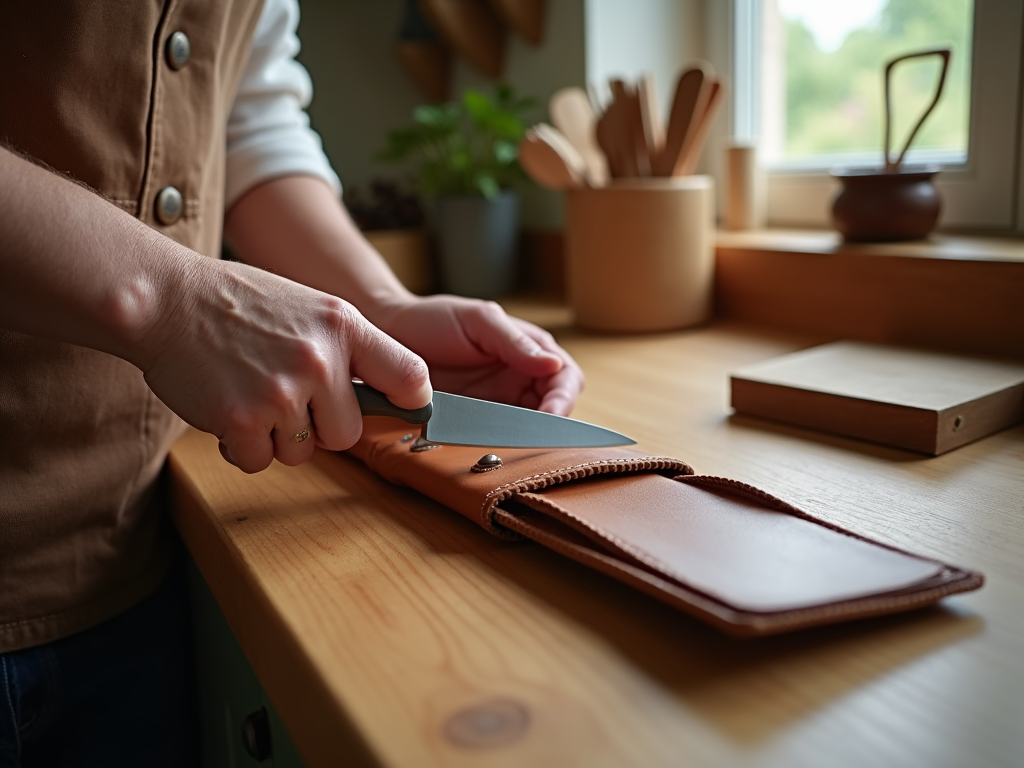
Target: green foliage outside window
835,102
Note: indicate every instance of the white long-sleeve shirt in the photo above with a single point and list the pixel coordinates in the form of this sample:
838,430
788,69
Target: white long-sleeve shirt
268,132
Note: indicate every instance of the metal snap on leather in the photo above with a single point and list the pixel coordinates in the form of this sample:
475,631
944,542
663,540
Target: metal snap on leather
487,462
421,444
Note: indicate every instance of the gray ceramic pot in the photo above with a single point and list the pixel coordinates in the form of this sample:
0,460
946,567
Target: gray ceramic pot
477,244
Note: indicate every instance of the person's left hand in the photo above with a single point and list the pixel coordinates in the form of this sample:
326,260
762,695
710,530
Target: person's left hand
473,348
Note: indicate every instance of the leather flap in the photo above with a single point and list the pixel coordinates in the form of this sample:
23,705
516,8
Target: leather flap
445,473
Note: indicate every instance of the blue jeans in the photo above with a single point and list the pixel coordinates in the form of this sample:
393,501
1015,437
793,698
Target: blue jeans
120,694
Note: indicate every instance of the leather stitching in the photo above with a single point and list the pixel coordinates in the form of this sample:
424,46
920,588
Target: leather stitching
568,474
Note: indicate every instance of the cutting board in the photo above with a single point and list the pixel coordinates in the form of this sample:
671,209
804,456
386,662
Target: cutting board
922,401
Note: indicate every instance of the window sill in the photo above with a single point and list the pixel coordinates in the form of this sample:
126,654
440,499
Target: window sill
951,292
827,242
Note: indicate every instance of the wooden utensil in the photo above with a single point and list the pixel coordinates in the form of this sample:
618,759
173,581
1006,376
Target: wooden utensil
615,133
650,115
636,161
691,153
551,159
573,115
690,100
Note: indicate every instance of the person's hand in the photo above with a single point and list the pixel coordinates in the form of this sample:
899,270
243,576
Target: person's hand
256,360
473,348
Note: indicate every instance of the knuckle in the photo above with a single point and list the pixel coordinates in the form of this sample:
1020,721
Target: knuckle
491,310
311,361
340,316
278,393
239,422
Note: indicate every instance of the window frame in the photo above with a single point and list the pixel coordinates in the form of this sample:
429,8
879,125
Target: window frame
982,194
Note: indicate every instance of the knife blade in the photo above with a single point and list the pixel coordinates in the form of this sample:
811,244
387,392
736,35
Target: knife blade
457,420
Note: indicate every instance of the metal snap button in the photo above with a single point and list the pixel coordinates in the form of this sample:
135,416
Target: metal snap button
169,205
179,49
486,463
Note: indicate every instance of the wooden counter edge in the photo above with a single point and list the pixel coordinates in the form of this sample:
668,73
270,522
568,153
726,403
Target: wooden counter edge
320,727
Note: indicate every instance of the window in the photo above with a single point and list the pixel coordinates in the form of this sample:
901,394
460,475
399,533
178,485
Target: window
808,90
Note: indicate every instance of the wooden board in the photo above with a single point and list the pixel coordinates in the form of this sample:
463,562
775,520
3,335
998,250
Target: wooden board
923,401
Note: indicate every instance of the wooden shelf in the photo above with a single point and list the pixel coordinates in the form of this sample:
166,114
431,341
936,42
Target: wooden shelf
955,293
825,242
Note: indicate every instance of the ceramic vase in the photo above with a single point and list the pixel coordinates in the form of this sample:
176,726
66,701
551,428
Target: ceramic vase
476,240
879,205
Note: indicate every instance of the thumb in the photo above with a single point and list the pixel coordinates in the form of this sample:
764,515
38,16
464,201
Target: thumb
386,365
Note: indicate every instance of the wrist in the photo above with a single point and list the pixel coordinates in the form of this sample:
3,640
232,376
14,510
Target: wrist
147,309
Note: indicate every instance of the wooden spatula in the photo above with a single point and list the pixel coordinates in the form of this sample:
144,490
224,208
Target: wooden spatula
691,154
615,132
692,93
572,114
650,116
550,159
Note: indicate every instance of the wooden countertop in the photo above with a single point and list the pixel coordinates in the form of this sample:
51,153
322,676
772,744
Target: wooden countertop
389,630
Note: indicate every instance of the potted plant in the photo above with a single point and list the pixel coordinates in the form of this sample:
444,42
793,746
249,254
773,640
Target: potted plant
467,155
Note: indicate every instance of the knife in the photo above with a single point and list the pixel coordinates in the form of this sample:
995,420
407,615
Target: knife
457,420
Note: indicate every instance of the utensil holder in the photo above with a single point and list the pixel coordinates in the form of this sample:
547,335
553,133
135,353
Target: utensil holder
640,254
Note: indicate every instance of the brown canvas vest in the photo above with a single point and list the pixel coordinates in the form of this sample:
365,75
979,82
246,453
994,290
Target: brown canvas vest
90,88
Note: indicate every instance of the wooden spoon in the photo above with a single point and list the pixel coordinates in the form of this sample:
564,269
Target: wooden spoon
573,115
690,101
551,159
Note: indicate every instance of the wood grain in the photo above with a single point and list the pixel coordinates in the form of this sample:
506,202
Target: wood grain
391,631
907,398
955,293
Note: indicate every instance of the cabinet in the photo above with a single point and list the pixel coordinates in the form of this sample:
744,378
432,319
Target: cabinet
230,692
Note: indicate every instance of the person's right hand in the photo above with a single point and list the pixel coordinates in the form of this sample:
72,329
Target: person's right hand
255,359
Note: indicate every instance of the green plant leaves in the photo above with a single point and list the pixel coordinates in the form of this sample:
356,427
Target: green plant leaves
465,147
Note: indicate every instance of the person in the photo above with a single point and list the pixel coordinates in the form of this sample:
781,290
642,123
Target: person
159,123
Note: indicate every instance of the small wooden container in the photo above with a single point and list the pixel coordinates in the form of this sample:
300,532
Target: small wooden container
640,254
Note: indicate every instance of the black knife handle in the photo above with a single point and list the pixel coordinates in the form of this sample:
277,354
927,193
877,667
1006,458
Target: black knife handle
373,402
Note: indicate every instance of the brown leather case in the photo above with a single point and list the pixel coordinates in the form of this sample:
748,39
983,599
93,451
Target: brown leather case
723,551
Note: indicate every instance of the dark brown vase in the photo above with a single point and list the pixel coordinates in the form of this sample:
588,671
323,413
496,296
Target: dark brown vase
878,205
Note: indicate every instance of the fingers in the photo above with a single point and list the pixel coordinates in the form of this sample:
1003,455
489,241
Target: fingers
294,444
382,363
386,365
246,443
507,339
558,393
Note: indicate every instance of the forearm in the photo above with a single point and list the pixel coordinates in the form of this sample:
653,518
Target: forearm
74,268
294,226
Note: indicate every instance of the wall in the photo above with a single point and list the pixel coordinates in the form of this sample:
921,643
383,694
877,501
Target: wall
360,92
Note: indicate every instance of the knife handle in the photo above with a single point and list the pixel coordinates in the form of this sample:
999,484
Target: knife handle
373,402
